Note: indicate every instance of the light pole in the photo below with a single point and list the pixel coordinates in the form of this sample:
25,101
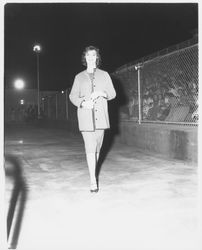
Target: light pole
37,50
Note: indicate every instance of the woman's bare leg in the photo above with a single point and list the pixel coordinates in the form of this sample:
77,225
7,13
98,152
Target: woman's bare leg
91,161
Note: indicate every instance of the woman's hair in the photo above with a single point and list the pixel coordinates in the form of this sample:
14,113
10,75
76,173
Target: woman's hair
83,57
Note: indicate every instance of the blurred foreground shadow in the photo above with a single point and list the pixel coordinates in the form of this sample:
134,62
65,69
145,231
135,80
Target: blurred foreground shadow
13,170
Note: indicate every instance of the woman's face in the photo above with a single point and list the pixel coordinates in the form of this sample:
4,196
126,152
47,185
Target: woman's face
91,57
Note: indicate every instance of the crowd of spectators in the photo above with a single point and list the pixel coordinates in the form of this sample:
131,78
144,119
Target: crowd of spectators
169,91
172,104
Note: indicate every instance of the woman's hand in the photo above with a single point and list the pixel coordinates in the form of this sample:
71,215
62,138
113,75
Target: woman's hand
87,104
97,94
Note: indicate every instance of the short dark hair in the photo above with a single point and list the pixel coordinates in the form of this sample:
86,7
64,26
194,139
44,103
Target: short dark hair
83,58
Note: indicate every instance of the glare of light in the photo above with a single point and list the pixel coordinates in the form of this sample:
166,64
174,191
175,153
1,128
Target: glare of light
22,102
21,141
19,84
63,92
42,98
37,48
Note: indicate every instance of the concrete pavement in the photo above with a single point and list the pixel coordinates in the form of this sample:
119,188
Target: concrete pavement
144,202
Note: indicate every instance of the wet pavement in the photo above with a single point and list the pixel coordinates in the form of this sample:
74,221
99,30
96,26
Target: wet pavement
144,203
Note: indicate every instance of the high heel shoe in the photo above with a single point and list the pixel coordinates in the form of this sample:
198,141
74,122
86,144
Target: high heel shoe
94,188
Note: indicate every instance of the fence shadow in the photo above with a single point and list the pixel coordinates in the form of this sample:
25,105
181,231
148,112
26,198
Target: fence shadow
13,170
114,115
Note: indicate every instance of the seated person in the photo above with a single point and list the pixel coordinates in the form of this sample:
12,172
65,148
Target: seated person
164,108
177,112
147,105
183,98
152,113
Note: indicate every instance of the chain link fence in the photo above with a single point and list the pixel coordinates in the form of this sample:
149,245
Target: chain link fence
58,107
166,90
55,106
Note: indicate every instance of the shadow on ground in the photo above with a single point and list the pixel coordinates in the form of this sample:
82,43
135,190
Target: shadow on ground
114,114
18,198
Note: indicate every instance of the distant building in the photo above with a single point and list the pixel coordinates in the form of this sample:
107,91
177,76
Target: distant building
16,102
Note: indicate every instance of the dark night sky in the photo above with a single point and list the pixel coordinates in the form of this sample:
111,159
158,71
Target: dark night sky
124,32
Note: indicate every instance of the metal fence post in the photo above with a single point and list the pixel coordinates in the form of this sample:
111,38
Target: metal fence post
56,106
48,106
138,67
66,105
43,104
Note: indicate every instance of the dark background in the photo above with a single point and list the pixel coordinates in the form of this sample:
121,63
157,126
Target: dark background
124,32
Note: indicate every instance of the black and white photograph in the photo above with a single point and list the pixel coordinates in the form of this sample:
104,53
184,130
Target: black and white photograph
100,126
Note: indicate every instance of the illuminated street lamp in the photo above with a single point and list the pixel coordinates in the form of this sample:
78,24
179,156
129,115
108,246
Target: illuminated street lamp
37,50
19,84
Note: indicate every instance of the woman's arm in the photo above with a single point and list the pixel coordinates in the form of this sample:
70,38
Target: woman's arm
74,95
109,88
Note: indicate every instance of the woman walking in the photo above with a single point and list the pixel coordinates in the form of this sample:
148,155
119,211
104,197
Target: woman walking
91,90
